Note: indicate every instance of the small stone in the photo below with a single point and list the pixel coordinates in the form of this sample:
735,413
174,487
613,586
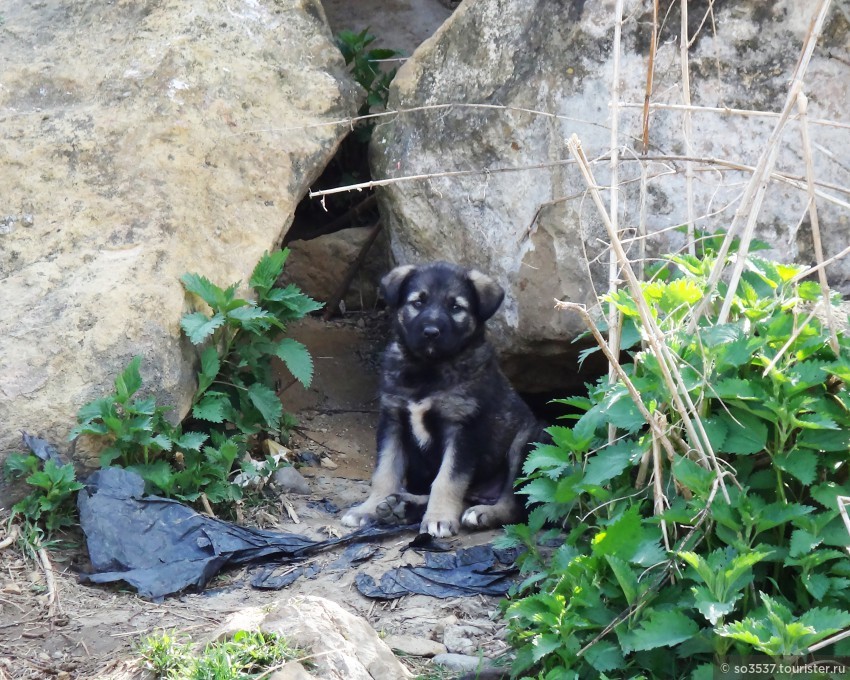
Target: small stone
329,464
289,480
462,638
415,646
292,671
461,662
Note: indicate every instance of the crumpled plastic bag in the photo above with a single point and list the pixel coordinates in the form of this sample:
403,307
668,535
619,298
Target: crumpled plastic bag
469,571
161,547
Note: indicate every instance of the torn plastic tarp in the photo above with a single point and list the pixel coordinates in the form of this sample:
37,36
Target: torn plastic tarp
161,547
467,572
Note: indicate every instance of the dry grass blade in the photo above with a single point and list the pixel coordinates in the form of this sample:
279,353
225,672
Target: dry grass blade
650,72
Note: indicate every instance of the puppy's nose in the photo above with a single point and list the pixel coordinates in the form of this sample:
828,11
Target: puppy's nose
431,332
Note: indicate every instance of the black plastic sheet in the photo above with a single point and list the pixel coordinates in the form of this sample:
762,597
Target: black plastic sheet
160,547
469,571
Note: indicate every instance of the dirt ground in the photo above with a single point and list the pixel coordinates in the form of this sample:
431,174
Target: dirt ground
97,630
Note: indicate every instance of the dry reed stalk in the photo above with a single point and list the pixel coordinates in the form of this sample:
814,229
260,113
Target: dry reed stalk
669,369
730,111
659,500
817,268
802,105
614,317
621,374
650,73
687,131
11,537
757,188
53,607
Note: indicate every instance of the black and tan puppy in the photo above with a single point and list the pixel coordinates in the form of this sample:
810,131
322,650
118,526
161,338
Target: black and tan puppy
452,432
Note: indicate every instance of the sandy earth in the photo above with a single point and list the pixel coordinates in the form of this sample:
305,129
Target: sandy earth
95,633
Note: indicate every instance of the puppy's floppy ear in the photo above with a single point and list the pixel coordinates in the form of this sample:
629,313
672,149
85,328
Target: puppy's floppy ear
490,294
391,283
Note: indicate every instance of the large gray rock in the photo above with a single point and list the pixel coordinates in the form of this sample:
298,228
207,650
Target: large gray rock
138,141
555,57
343,646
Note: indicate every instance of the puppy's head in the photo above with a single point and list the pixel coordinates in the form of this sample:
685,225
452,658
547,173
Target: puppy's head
440,307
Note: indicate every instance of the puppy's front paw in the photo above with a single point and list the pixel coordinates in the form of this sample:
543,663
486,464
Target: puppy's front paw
478,517
440,527
358,516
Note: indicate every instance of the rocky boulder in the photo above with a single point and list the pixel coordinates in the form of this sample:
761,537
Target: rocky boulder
527,74
142,140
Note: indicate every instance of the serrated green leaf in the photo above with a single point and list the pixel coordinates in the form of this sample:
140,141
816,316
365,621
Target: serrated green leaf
210,367
610,461
826,620
693,476
625,577
709,607
801,463
622,537
802,542
746,433
253,318
297,359
129,380
817,584
267,403
547,458
159,474
605,656
203,288
268,270
662,629
824,440
198,326
192,440
213,408
737,388
774,514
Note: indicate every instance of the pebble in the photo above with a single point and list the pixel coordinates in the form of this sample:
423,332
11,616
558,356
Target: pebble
415,646
461,662
292,671
462,638
289,480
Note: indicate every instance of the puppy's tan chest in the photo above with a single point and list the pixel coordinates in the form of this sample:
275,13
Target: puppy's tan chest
417,410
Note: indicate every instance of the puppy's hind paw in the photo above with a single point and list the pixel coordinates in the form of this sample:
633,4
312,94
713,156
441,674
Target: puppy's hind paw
481,517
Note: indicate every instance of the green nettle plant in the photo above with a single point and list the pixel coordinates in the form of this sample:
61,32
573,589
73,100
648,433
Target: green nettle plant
366,68
50,505
668,560
235,398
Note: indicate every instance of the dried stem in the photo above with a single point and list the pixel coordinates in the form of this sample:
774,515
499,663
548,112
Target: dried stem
802,105
10,538
678,393
687,131
659,499
621,374
650,72
614,316
53,607
754,196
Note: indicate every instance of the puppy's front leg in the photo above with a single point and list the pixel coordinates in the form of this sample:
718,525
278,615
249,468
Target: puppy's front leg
389,472
442,517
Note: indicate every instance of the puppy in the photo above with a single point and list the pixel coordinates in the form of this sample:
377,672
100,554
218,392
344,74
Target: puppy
452,432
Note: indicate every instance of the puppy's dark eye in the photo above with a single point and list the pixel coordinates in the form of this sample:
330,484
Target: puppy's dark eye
456,307
416,304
